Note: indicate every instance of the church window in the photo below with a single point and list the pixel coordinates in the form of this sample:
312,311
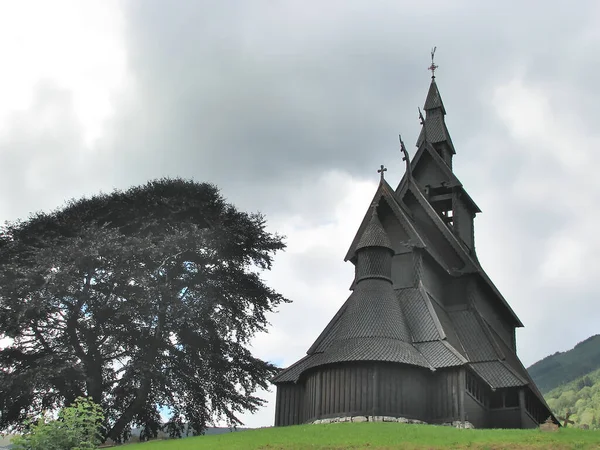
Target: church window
477,389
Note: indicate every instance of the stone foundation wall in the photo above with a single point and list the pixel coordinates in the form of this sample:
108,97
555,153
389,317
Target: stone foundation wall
455,424
368,419
459,424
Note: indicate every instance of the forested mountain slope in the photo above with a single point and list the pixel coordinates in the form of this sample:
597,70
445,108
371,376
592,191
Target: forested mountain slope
581,397
564,367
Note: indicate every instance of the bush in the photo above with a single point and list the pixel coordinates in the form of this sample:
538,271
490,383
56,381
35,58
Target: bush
78,427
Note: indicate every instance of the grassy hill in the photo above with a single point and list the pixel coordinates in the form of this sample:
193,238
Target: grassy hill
564,367
381,435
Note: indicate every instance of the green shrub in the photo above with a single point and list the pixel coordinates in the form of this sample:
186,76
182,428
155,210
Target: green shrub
78,427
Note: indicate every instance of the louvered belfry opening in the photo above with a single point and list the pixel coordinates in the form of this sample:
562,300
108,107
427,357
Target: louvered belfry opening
441,200
425,334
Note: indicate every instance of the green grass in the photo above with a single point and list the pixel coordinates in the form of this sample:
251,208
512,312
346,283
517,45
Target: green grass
381,435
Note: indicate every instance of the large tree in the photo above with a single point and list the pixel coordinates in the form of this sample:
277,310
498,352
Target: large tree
141,299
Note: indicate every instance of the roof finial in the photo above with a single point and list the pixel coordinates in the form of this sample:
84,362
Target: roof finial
422,120
381,170
433,66
405,157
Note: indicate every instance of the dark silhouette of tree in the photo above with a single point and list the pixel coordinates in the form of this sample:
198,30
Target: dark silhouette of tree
140,299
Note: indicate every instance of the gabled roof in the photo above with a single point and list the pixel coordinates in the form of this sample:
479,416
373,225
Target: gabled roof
460,248
471,264
426,148
385,191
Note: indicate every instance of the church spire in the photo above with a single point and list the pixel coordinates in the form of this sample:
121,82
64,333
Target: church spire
434,128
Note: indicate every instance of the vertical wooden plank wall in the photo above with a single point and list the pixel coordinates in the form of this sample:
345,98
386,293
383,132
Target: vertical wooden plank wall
379,389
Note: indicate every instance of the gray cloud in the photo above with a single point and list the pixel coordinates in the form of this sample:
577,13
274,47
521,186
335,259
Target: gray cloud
265,98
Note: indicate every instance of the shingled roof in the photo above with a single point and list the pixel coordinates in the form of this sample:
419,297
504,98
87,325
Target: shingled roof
434,129
374,235
371,325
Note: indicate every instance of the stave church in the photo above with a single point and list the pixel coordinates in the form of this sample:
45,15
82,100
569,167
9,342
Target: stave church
425,336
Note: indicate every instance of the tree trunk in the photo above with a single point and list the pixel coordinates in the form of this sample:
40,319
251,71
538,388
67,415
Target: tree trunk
134,407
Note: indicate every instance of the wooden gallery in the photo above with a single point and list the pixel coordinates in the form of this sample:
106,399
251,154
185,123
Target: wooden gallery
425,335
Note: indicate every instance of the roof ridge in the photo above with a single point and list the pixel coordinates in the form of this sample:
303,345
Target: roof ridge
453,350
486,329
432,312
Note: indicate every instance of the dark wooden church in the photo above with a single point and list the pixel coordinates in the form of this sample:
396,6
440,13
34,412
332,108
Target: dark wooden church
425,334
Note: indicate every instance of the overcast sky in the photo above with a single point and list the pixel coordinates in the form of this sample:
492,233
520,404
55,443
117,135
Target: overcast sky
290,107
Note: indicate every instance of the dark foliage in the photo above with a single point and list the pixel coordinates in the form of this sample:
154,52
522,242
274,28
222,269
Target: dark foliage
138,299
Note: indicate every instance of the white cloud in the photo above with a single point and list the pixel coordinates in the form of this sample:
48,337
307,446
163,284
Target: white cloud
75,45
91,98
311,272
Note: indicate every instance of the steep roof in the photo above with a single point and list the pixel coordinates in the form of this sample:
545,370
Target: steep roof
434,128
472,265
400,211
434,99
370,326
374,235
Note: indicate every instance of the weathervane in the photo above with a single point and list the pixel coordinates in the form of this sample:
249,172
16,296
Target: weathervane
381,170
433,66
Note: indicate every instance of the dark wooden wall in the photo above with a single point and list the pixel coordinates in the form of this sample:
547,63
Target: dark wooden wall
366,389
445,396
528,422
435,279
289,406
403,270
505,418
463,220
402,391
475,412
371,389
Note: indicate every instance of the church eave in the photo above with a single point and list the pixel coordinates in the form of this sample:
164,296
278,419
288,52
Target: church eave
292,373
